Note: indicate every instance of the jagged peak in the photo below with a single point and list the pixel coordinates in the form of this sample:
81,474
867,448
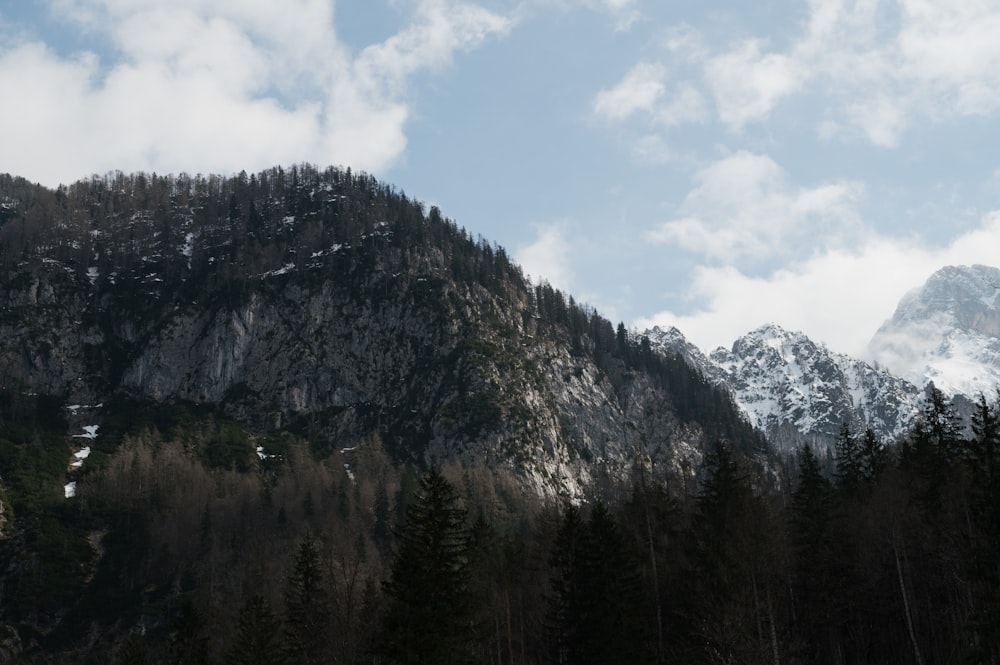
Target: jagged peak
946,330
961,295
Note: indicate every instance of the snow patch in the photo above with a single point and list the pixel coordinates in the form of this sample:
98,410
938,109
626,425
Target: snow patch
80,455
283,270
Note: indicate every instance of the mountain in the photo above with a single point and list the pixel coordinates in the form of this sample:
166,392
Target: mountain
797,391
946,331
326,304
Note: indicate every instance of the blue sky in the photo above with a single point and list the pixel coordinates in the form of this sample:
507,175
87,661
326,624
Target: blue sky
711,165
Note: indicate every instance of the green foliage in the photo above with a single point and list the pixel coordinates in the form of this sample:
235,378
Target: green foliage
228,447
42,560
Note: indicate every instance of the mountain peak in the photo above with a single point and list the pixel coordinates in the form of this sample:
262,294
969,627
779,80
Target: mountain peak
797,391
946,331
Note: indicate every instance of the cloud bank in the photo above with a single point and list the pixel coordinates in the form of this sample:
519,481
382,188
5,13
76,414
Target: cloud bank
839,296
876,67
217,86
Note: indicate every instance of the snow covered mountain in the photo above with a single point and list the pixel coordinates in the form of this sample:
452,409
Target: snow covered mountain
946,331
797,391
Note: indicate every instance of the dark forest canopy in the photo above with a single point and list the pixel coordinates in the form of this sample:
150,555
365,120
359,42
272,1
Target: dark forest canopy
166,559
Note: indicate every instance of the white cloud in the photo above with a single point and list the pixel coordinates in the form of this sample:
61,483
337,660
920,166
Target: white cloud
640,90
208,86
882,120
875,67
687,106
442,29
744,208
881,67
548,257
685,43
839,297
747,84
643,91
652,149
952,48
624,12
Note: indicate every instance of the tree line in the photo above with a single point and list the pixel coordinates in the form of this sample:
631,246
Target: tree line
870,553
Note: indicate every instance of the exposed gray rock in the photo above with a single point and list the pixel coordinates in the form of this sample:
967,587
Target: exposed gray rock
797,391
947,331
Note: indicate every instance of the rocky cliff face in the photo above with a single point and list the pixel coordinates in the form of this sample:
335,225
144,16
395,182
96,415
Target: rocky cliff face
327,304
799,392
947,331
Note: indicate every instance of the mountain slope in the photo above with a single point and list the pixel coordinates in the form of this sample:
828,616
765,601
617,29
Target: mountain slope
328,304
799,392
946,331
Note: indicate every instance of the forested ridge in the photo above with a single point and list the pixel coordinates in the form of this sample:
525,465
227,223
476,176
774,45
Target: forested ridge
351,527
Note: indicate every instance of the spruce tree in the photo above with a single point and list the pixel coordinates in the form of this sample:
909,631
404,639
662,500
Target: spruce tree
258,635
594,614
561,616
609,596
848,458
983,458
308,608
814,552
430,615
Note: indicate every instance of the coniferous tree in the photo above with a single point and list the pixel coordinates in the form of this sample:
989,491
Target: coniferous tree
258,639
609,597
983,458
561,619
307,607
728,588
874,457
188,644
848,459
815,557
596,604
133,651
429,619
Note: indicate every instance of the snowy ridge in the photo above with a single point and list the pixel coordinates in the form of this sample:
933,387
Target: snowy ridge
797,391
947,331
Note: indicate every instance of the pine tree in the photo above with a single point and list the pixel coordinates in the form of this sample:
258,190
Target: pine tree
258,635
729,584
596,602
847,455
308,607
187,642
983,458
609,596
874,457
133,651
430,615
942,423
561,619
814,556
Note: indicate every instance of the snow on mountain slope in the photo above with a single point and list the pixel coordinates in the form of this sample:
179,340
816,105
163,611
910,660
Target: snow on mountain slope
946,331
797,391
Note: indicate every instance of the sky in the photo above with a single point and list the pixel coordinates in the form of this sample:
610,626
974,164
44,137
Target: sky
711,165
